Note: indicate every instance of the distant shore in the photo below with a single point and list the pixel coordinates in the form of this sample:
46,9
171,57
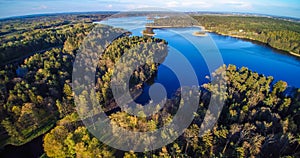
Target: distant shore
230,35
254,40
170,26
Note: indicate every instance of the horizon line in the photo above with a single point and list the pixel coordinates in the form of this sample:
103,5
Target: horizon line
287,18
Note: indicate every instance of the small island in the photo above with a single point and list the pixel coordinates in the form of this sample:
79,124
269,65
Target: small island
148,32
174,22
200,33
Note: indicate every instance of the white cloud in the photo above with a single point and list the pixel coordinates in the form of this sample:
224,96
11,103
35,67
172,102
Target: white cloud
172,4
40,7
182,5
197,4
136,6
238,4
109,6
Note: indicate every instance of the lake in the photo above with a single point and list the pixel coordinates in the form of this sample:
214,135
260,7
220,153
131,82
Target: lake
257,57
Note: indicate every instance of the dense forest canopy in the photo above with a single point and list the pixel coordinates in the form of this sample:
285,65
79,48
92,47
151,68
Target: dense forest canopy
32,91
259,119
44,88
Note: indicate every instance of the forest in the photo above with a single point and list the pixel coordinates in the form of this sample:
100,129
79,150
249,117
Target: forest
255,120
31,91
27,36
259,115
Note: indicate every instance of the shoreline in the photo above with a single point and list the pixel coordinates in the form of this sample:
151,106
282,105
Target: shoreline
292,54
229,35
295,54
178,26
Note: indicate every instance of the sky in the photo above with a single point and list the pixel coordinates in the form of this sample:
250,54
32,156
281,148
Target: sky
290,8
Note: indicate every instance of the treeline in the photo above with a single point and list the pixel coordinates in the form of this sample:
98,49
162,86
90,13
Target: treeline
258,117
174,21
38,38
26,23
279,34
25,36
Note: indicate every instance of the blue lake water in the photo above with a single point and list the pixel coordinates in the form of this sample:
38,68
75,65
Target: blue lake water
258,58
